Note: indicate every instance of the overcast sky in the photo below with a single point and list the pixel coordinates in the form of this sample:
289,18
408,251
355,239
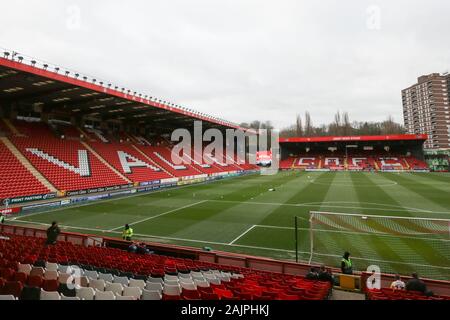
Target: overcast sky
243,59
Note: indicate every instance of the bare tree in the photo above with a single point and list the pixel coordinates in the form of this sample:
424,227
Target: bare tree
299,127
308,124
347,127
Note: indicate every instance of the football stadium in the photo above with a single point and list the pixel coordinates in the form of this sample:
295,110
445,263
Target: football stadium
98,201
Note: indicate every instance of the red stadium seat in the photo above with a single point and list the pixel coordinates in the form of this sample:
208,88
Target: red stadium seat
12,287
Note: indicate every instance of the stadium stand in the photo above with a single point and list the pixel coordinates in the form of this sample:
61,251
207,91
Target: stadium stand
67,164
355,162
163,158
354,153
389,294
128,161
16,179
68,270
73,159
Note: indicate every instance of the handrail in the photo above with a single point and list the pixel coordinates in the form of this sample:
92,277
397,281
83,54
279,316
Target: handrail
226,258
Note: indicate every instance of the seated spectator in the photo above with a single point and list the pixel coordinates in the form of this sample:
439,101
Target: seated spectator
312,274
132,248
325,275
142,249
398,284
415,284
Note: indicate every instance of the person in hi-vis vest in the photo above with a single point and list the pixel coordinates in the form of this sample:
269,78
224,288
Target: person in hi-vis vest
127,233
346,264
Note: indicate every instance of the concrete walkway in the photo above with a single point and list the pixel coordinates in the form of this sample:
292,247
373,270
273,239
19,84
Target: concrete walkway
345,295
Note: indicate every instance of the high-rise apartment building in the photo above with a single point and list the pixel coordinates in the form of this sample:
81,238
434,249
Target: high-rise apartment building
426,109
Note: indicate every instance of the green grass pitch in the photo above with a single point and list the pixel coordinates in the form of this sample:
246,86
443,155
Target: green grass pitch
242,215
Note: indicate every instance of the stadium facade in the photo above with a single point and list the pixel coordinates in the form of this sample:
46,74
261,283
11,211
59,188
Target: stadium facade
394,153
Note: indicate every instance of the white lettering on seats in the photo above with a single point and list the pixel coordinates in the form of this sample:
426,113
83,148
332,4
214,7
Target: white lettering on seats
332,161
215,160
357,161
301,161
127,164
83,169
385,164
168,162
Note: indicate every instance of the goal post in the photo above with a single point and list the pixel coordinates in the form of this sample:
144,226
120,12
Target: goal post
397,244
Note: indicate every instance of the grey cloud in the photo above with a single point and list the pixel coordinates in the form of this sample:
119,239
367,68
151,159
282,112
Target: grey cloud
243,60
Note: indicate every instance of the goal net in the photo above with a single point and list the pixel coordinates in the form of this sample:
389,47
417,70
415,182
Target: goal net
396,244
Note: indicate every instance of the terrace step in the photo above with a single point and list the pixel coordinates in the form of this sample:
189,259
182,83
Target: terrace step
13,128
105,162
24,161
150,160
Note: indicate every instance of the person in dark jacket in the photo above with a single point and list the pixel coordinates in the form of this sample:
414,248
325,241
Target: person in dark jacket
142,249
52,234
415,284
312,274
325,275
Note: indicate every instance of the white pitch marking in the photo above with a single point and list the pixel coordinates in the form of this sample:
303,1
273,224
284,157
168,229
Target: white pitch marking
354,233
161,214
243,234
311,204
238,245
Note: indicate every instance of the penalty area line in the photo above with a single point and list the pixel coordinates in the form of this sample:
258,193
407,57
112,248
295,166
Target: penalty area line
161,214
243,234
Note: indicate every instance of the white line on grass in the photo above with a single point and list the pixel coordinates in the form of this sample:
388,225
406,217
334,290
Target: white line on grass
329,206
142,194
243,234
382,234
239,245
161,214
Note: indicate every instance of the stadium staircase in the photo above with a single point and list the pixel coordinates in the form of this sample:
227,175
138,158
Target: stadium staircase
407,166
25,163
12,128
162,156
377,167
106,163
293,163
62,162
151,161
109,153
18,176
29,270
203,167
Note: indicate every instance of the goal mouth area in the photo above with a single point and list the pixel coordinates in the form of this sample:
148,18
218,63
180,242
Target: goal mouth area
398,244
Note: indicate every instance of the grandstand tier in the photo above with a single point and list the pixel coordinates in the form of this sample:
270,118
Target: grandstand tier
371,153
67,164
16,179
90,273
70,159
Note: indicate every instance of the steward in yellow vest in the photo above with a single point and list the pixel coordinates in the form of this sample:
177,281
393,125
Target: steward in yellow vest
127,233
346,264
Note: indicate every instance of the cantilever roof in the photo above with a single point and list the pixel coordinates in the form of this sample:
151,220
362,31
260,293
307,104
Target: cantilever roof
27,82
